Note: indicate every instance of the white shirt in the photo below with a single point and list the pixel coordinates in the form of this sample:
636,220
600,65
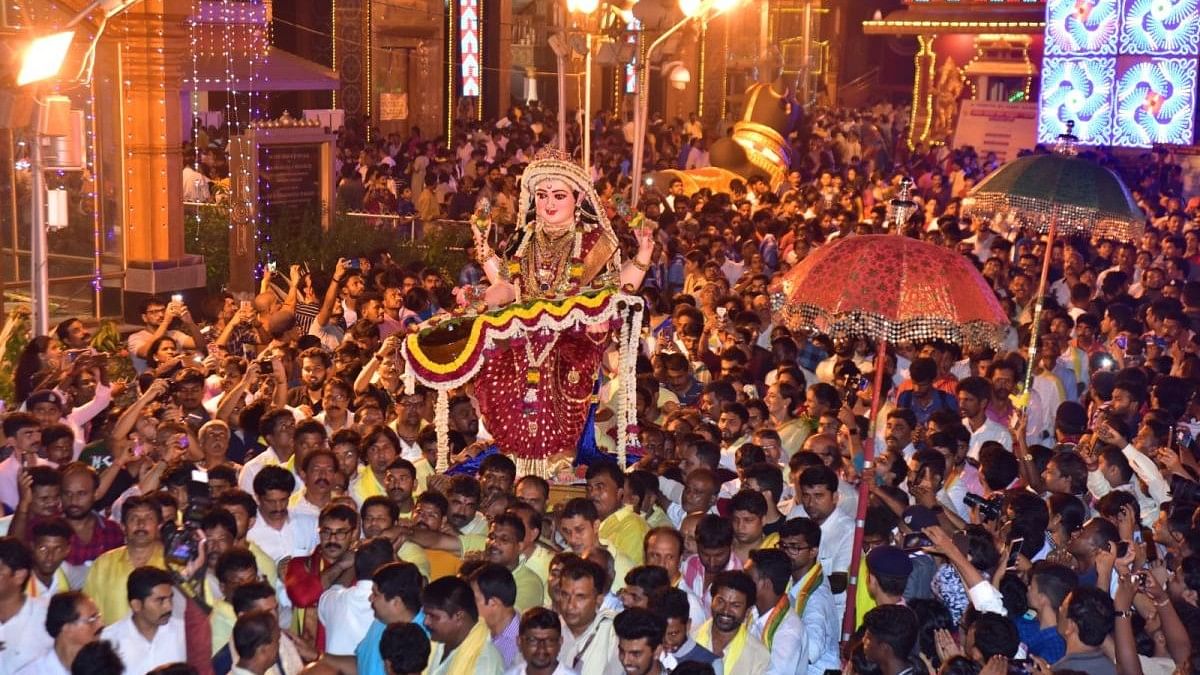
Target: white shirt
789,648
260,461
837,540
24,635
9,470
821,628
346,614
597,644
46,664
297,537
140,655
988,431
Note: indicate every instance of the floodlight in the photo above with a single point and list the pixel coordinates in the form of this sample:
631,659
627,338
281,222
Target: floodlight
44,57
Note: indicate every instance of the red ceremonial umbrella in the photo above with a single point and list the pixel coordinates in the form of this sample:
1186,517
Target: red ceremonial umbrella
888,288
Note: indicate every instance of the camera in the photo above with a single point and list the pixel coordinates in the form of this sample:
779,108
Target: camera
989,509
179,543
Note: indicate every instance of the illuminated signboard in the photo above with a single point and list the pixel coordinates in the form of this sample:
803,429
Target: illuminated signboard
468,47
1123,70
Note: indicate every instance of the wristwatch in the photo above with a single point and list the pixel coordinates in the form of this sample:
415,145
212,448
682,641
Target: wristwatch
1123,614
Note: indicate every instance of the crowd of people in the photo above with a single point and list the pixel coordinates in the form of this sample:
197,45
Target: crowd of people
262,498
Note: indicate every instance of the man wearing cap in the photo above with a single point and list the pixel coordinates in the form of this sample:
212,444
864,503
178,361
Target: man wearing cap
888,569
50,406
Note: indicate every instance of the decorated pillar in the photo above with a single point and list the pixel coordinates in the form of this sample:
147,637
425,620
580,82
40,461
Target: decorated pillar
923,91
351,52
154,47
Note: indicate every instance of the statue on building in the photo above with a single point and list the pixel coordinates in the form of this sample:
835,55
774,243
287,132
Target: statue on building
947,91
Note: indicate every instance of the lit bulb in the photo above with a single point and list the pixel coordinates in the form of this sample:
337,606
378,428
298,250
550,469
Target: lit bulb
690,8
724,5
586,6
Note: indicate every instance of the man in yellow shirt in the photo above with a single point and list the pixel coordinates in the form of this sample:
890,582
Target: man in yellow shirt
504,548
620,524
105,584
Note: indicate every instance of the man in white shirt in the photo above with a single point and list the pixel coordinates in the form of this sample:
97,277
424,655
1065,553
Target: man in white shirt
589,641
818,495
149,636
72,620
278,427
346,612
22,619
810,595
24,435
277,532
974,394
770,569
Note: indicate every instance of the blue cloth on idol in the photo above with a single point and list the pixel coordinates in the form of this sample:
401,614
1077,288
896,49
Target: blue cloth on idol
587,452
471,466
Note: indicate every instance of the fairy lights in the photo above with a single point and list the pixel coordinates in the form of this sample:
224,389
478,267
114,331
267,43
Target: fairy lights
451,13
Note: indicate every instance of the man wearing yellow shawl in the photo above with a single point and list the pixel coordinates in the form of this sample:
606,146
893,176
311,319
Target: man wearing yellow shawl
461,642
726,634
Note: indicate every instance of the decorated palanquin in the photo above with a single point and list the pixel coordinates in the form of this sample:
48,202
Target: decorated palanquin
529,350
533,368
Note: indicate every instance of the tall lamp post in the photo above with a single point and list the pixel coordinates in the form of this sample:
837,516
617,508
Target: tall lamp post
42,60
702,10
584,9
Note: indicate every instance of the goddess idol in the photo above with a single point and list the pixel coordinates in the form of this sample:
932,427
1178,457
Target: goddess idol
554,306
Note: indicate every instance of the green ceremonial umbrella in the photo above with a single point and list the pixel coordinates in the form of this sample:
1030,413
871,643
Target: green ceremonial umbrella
1054,194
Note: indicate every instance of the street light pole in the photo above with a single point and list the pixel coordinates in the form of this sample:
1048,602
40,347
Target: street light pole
39,264
642,110
587,105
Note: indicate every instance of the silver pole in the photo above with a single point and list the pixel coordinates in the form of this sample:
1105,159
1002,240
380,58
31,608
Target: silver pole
38,250
562,103
587,107
639,120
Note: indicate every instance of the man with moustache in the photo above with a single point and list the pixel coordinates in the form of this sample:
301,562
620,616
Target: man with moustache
73,620
141,518
149,636
540,640
345,608
400,481
318,469
726,633
305,579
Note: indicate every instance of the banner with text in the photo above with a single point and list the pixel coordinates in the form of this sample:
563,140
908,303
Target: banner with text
996,126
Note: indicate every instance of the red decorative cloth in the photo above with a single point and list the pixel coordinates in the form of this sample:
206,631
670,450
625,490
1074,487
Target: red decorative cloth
564,393
302,581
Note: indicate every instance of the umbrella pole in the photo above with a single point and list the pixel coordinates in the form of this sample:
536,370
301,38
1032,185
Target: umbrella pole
1039,300
848,622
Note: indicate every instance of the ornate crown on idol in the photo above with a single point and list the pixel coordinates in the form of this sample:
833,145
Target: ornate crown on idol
551,162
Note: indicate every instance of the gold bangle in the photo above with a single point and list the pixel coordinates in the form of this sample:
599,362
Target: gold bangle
645,267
